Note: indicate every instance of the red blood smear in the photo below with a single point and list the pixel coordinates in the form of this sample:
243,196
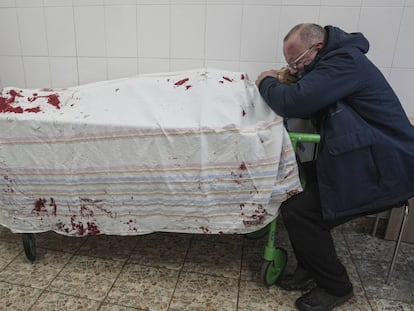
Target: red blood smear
243,166
228,79
181,82
93,229
6,102
52,99
242,77
53,204
35,109
243,113
187,87
39,205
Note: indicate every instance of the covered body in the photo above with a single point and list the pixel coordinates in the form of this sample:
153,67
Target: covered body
196,151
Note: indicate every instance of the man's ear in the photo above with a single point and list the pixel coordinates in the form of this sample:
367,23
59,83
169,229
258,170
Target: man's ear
320,45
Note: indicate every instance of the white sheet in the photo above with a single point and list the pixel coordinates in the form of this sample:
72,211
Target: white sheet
196,151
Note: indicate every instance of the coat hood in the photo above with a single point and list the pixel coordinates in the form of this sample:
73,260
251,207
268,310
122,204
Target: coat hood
336,39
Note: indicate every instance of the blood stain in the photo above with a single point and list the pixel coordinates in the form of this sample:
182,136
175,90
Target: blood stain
181,82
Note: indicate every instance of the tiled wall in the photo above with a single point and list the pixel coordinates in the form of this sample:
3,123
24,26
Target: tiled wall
59,43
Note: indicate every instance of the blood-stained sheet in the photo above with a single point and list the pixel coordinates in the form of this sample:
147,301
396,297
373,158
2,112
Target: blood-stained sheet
194,152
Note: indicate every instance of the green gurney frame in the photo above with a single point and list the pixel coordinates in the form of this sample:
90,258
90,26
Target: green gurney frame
276,257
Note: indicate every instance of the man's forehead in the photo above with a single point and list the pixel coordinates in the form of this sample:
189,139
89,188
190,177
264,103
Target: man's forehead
292,46
293,42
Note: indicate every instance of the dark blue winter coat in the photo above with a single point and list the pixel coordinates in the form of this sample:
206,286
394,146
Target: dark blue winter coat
366,155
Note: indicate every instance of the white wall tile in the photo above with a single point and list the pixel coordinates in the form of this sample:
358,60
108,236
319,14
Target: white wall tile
404,52
37,72
153,23
153,65
259,31
32,31
227,1
29,3
60,31
401,81
301,2
409,2
382,36
7,3
187,31
346,18
122,67
90,31
188,2
341,2
153,2
57,3
87,2
63,72
223,36
12,72
262,2
121,31
222,64
92,70
377,3
185,64
9,32
120,2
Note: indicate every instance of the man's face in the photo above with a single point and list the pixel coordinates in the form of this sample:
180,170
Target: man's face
297,54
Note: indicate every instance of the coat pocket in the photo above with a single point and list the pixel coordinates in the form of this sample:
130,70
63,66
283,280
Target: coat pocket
350,142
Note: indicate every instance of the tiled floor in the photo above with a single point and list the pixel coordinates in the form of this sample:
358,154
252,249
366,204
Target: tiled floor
165,271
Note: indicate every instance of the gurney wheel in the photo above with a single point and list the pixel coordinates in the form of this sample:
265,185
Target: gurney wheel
271,270
29,245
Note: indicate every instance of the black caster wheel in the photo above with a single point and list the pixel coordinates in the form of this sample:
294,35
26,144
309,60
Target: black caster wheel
271,270
29,244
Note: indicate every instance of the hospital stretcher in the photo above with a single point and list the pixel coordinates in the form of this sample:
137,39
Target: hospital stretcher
189,152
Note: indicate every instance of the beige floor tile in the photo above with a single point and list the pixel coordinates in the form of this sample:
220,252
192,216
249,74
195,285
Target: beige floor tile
143,287
204,293
357,303
50,301
221,238
111,307
255,296
390,305
16,297
8,251
160,250
108,247
87,277
219,259
39,274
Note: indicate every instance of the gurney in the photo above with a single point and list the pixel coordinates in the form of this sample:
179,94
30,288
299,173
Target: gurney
190,152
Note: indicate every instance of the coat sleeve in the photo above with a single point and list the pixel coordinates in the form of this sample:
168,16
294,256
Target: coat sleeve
331,79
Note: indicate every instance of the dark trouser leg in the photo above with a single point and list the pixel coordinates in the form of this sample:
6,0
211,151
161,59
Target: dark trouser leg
311,238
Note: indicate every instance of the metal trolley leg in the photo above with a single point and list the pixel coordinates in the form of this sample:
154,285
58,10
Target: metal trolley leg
397,244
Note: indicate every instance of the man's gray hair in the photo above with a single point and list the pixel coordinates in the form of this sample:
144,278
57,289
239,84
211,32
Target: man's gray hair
308,33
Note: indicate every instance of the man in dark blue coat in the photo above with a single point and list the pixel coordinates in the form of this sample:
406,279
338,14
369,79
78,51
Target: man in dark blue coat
365,161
